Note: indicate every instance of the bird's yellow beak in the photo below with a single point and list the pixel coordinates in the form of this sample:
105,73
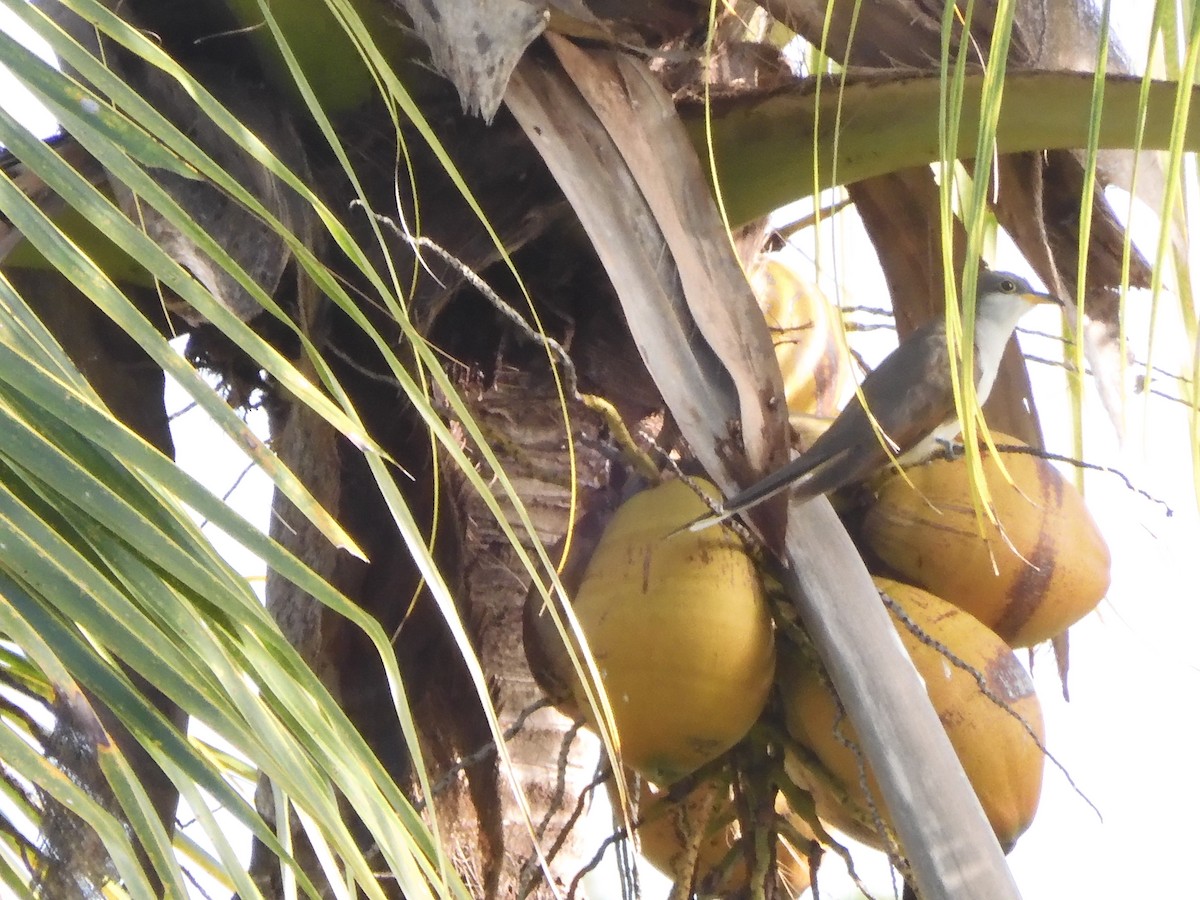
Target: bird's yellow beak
1034,298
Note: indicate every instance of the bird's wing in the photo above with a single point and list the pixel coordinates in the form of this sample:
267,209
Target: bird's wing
905,408
851,449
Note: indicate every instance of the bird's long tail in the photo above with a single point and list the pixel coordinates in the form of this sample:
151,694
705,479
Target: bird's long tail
777,481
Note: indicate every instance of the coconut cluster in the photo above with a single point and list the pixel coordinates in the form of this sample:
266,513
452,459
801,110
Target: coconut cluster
686,653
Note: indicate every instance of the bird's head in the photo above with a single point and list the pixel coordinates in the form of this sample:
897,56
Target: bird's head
1002,298
1008,290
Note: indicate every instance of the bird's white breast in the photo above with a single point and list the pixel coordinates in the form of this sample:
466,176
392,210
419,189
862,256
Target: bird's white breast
996,318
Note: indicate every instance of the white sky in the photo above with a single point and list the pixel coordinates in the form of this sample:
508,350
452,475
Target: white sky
1131,734
13,94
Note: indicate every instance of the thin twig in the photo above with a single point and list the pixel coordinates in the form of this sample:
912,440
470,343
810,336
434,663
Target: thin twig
1082,464
233,487
1142,381
187,873
570,375
619,834
1133,361
560,786
378,377
867,310
483,752
570,378
789,230
535,873
187,407
881,829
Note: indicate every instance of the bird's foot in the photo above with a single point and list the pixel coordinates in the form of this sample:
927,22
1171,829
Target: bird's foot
951,449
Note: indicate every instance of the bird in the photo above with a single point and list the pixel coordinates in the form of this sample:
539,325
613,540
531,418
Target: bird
911,396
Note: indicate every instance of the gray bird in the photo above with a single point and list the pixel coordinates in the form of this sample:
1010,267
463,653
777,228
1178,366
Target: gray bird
911,396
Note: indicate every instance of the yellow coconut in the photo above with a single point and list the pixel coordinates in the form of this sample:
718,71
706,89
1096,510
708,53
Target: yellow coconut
680,631
1000,757
706,817
1048,568
814,362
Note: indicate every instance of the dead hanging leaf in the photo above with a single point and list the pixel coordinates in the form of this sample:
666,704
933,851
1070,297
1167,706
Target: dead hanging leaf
1038,205
477,43
640,118
1107,358
598,184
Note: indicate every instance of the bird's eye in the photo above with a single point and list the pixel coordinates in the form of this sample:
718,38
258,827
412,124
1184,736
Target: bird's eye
1008,286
